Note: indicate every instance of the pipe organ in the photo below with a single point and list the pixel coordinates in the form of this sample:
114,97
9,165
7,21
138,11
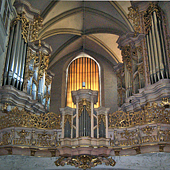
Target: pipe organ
85,120
37,81
132,76
156,45
144,52
27,59
83,70
16,52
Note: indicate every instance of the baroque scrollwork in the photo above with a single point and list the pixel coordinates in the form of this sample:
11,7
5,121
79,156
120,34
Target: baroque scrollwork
147,15
84,161
36,25
67,118
44,139
134,16
147,130
126,54
87,105
22,118
165,102
150,114
101,118
127,134
24,25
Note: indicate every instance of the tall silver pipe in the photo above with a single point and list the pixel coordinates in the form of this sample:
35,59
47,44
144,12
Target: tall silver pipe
155,48
163,49
23,66
20,62
15,65
87,124
149,57
8,56
152,55
161,67
14,46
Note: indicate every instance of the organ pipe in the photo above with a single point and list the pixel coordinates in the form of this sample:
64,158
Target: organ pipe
155,49
81,70
6,71
158,65
23,66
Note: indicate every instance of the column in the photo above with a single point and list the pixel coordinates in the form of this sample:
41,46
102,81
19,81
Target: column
77,117
92,118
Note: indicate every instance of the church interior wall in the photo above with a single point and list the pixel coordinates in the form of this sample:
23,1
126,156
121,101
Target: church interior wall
108,84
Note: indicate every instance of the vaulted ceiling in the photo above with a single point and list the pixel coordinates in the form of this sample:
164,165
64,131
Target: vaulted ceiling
71,27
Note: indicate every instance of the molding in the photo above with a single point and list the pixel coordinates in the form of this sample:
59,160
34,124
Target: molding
9,94
150,93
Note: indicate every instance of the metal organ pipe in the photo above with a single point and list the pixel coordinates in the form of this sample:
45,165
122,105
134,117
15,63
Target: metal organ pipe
155,49
13,53
23,66
6,71
149,57
165,68
152,55
20,61
17,55
161,67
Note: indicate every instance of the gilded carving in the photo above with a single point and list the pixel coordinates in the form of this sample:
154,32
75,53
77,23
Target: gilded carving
86,104
147,130
127,134
21,118
43,139
134,16
24,25
68,118
165,102
126,54
150,114
84,161
101,118
6,138
23,134
4,107
148,14
36,25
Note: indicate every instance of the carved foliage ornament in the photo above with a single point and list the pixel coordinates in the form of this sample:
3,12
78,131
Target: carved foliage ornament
134,16
24,26
36,25
151,113
147,130
84,161
148,15
67,118
127,134
101,118
21,118
126,53
87,105
165,102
